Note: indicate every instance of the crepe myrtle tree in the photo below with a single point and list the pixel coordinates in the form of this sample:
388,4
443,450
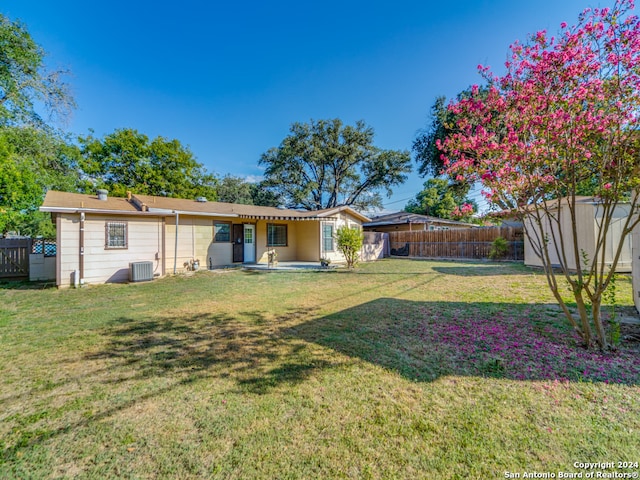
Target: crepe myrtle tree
565,113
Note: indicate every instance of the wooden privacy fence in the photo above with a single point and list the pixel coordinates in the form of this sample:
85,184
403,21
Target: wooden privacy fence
14,257
457,243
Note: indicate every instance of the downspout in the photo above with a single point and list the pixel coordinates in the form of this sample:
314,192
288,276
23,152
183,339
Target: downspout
164,246
81,280
321,236
175,251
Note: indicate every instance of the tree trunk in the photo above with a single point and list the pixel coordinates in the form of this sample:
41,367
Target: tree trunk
584,318
597,321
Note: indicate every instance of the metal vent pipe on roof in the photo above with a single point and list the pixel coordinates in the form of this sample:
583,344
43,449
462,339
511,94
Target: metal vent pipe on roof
102,194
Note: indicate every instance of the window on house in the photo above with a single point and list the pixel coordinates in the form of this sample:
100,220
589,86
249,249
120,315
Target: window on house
221,232
115,235
327,237
276,235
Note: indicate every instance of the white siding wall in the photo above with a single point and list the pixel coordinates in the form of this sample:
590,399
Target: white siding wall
587,225
106,265
68,249
112,265
635,240
613,238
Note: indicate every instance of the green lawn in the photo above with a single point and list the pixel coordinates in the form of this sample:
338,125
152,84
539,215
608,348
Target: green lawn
402,369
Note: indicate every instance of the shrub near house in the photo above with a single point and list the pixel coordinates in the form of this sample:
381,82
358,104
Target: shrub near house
350,244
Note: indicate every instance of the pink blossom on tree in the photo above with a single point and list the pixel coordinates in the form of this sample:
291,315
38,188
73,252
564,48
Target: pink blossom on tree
464,211
565,112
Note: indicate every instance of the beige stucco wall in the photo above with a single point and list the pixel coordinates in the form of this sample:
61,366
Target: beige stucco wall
308,242
285,254
195,242
588,217
144,239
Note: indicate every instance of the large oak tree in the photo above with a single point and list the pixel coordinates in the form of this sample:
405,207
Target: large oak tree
324,164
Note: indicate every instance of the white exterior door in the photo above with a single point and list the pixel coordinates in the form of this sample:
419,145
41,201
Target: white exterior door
249,244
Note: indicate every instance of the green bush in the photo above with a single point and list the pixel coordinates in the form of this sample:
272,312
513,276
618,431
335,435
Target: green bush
499,249
349,242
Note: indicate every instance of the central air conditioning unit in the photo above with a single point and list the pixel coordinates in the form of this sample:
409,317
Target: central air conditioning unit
140,271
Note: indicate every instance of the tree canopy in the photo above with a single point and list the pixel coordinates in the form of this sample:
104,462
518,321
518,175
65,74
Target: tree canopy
33,161
324,164
441,199
24,80
128,160
233,189
564,115
427,154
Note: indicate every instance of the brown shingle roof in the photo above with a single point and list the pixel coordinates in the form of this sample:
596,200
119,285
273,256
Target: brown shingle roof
60,201
63,201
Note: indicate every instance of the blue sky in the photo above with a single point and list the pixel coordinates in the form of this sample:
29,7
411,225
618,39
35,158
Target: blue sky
228,78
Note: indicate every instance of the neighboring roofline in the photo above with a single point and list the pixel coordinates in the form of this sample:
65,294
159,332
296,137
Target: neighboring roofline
416,220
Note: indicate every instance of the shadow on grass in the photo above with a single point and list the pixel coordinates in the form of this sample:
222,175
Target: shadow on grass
423,341
486,269
247,349
145,358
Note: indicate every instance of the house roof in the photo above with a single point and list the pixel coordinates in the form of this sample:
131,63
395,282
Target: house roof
164,206
405,217
63,201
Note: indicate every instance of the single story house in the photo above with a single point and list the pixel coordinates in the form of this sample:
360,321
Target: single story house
99,236
411,222
588,218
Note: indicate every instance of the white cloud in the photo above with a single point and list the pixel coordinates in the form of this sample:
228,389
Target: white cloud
253,178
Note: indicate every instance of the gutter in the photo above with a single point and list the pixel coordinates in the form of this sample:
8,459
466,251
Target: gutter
151,212
92,210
